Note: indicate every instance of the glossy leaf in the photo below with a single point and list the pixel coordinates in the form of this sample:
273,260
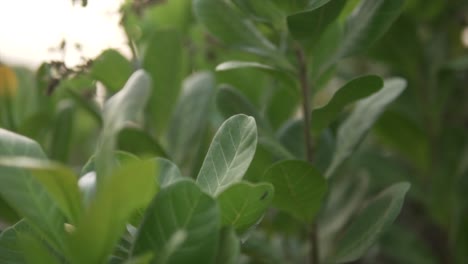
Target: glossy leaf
25,193
355,127
373,220
230,27
180,226
243,204
308,26
229,155
299,188
368,24
123,107
162,60
112,69
352,91
284,74
129,188
190,119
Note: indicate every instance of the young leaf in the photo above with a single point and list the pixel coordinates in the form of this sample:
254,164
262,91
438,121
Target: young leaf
190,119
162,59
230,27
308,26
299,188
368,24
123,107
229,155
361,120
112,69
229,247
25,193
243,204
129,188
180,226
354,90
378,215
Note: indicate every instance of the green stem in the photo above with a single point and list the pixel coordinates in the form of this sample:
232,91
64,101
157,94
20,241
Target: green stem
306,89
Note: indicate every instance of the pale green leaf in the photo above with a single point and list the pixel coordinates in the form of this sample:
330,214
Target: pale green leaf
371,222
229,155
112,69
367,111
229,247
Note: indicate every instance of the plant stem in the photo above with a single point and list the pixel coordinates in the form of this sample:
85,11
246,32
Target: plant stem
306,89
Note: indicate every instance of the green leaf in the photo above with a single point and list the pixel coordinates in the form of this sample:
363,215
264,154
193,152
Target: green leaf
129,188
243,204
229,247
369,23
180,226
137,141
58,181
163,60
25,193
63,131
190,119
112,69
373,220
308,26
355,127
221,20
291,136
35,250
229,155
141,259
299,188
123,107
169,173
354,90
231,102
10,250
264,11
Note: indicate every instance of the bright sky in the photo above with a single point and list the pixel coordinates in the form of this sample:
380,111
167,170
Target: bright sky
29,28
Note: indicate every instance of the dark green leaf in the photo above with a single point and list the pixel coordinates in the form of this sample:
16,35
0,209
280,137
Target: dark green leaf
229,155
299,188
229,247
243,204
180,226
10,250
230,27
374,219
354,90
308,26
162,59
63,131
137,141
368,24
129,188
112,69
264,11
362,118
190,119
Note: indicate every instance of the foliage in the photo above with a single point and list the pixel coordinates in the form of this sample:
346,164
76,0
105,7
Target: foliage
236,133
